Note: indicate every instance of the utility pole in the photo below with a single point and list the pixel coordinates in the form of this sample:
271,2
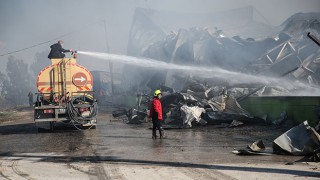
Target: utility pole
110,63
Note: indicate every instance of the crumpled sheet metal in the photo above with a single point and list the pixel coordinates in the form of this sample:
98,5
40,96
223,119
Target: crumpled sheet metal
176,98
233,106
181,109
218,117
190,114
256,148
172,113
299,140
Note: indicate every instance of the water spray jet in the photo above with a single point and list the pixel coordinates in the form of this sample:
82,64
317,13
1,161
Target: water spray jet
216,72
231,77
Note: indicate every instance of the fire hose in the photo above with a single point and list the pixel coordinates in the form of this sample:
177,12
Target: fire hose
75,116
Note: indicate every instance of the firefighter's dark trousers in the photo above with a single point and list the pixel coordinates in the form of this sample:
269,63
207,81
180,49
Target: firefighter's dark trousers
156,125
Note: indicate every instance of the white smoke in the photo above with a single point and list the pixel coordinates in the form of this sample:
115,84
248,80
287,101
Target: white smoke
2,45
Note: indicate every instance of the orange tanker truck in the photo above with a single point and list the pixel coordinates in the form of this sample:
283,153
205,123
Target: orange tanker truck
65,95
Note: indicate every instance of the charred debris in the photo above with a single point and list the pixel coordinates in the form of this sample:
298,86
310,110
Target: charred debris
289,55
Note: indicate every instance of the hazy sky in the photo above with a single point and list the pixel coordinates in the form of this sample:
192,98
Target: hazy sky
24,23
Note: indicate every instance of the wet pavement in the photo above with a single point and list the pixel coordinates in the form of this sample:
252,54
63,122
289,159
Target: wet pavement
115,150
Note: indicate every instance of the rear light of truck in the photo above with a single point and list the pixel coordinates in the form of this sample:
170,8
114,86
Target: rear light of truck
83,109
48,111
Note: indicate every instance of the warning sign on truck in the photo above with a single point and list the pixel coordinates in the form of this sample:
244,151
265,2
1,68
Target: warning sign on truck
79,79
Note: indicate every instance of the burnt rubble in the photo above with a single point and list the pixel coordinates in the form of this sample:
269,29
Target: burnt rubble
196,105
295,59
288,55
301,140
286,52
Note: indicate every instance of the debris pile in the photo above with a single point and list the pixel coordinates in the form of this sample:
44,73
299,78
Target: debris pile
294,59
285,53
194,106
301,140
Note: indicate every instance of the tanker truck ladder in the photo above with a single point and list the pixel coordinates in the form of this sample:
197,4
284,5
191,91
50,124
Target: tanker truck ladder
61,88
63,76
67,86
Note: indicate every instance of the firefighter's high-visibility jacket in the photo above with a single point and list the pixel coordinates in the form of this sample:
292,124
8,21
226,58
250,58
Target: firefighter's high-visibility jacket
156,109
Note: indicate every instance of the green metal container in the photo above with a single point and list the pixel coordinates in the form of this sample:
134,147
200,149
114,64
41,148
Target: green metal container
298,109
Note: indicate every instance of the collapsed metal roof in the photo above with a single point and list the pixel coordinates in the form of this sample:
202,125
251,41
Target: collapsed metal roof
292,57
289,59
149,26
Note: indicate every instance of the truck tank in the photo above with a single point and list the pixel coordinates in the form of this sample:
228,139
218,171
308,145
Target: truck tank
65,95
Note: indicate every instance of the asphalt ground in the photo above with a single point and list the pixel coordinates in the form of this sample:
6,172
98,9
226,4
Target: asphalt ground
115,150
